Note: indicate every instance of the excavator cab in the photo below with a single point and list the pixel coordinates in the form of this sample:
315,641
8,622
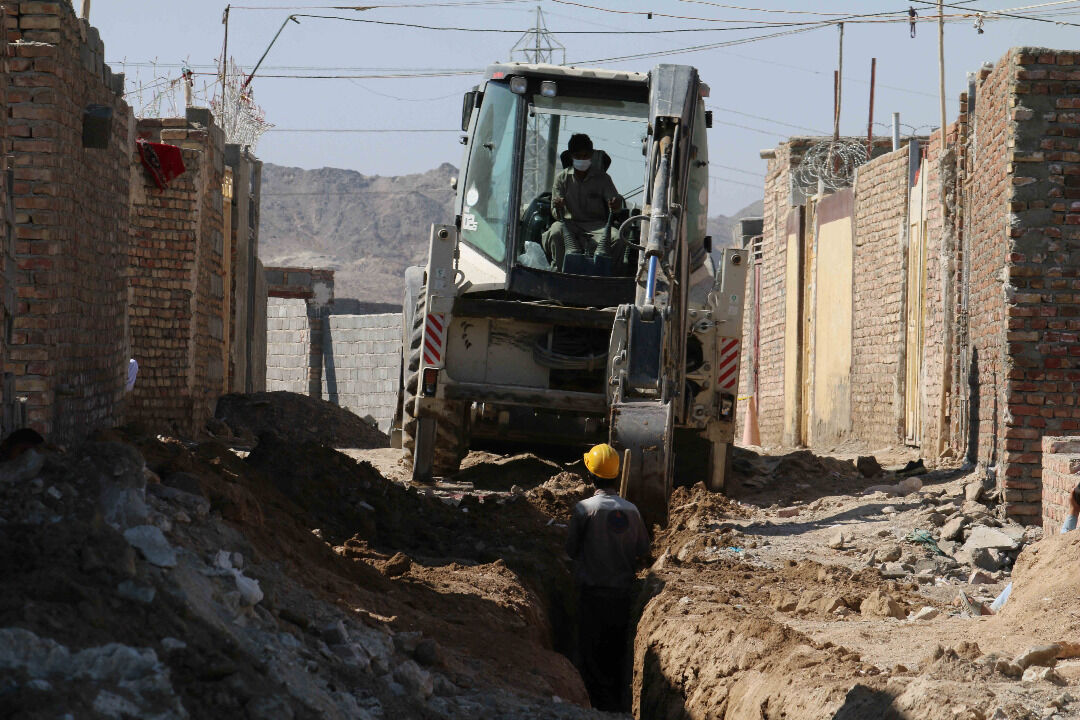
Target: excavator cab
634,346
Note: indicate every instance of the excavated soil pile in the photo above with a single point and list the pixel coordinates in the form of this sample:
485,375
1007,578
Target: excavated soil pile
1046,589
156,578
799,476
297,418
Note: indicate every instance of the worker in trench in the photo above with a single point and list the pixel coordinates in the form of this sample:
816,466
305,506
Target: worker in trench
581,198
608,543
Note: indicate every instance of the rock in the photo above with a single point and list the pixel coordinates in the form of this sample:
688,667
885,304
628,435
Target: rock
335,634
978,558
951,530
988,537
137,593
980,577
397,565
249,588
184,481
788,512
926,613
406,642
196,505
836,539
935,518
414,679
889,553
428,653
784,602
22,468
909,485
1046,674
893,571
1008,669
868,466
171,644
947,546
1042,655
974,509
914,467
879,604
151,543
889,510
973,490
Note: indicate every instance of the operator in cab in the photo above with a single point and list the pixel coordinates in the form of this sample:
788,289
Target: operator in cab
608,543
581,199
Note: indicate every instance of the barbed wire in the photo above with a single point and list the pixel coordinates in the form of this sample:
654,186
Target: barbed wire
831,164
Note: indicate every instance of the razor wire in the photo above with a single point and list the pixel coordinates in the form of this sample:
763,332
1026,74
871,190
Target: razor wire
831,164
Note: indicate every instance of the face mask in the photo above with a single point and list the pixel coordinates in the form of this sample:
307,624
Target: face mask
582,165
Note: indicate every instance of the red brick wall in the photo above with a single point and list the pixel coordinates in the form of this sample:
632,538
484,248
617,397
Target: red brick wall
1042,308
1060,474
68,347
177,281
986,202
878,325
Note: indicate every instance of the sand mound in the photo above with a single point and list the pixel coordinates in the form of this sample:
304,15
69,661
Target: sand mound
1046,583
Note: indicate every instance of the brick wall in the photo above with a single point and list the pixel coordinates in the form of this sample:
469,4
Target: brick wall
1060,474
68,352
178,278
287,345
777,204
986,198
362,357
878,326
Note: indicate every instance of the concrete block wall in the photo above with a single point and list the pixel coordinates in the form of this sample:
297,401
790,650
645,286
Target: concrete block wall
288,338
878,327
1060,474
362,355
68,349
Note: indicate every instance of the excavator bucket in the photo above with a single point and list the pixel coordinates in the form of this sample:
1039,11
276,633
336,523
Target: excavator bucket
641,432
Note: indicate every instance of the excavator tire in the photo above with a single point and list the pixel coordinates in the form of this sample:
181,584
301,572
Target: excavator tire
451,436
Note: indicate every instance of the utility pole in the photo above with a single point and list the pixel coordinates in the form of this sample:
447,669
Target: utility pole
538,44
225,67
86,10
839,85
870,121
941,66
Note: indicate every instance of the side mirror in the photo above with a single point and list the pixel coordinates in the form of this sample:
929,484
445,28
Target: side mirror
470,102
453,183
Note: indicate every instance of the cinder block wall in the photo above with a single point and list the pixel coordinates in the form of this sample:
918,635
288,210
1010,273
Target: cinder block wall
362,361
68,351
288,338
177,278
878,327
1060,474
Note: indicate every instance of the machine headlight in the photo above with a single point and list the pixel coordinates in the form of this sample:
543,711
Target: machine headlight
519,85
548,89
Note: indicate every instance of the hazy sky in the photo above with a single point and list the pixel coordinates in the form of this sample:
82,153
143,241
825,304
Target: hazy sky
786,79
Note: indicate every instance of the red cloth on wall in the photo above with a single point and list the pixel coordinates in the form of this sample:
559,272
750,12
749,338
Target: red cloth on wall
164,162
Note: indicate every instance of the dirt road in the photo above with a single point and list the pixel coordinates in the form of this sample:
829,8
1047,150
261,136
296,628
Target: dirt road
250,575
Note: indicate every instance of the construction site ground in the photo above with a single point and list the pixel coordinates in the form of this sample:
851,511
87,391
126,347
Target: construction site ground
256,573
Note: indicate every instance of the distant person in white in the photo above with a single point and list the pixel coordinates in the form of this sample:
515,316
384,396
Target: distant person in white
133,371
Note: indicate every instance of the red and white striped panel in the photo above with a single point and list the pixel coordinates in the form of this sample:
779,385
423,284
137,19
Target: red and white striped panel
727,374
434,339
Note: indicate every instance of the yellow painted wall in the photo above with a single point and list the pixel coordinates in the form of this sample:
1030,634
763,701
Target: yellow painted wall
831,419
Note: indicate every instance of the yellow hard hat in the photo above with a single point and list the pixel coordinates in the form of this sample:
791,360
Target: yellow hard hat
603,461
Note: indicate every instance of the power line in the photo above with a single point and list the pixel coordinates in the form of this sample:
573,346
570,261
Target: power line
775,122
358,8
699,48
735,169
363,130
735,182
1032,18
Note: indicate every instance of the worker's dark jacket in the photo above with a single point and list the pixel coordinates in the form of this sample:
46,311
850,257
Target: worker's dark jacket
607,538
